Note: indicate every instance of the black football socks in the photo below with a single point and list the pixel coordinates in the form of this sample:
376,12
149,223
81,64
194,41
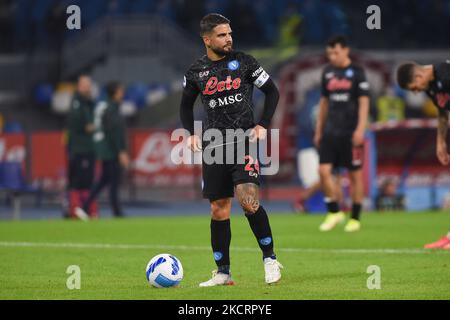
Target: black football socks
356,211
259,223
332,206
220,243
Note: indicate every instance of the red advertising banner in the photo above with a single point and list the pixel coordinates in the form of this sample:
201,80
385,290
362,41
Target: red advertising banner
48,159
150,152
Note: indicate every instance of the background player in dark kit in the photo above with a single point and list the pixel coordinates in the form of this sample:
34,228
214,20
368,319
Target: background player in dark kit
341,123
225,79
435,81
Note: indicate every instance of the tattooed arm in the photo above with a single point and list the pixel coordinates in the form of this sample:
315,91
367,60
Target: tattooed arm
441,143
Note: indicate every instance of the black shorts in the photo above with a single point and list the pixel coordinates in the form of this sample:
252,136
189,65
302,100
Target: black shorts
81,171
219,180
340,152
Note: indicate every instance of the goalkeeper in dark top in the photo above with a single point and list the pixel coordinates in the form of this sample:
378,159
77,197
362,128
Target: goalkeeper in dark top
225,80
434,80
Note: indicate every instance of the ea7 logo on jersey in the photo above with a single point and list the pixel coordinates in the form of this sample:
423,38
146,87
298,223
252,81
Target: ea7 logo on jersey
203,74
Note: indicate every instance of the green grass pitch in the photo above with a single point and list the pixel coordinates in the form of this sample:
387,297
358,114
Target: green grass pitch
112,255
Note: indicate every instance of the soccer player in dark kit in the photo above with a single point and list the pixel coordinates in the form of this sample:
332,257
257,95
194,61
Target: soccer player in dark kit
224,79
340,128
435,81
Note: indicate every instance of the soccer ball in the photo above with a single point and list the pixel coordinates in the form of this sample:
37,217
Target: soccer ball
164,270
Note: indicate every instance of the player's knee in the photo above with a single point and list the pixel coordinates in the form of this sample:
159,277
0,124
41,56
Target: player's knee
249,205
220,210
324,172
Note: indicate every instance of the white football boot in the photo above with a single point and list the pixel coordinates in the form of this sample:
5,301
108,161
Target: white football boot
272,270
81,214
332,220
218,279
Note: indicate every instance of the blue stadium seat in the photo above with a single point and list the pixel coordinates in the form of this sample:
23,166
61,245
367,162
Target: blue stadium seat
13,182
11,177
13,127
137,93
43,94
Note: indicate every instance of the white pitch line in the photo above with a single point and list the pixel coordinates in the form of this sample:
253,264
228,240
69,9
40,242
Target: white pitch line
201,248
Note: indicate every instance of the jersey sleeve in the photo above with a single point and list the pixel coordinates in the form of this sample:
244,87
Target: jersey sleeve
443,73
362,85
190,88
256,74
323,85
190,93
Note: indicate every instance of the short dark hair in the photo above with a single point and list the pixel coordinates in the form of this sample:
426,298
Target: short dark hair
338,39
112,88
210,21
83,75
405,74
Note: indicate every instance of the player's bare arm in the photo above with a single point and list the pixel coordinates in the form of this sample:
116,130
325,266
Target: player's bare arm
194,143
322,115
258,133
358,135
441,144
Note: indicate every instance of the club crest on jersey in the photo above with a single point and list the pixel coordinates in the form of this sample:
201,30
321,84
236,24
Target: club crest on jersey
349,73
233,65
